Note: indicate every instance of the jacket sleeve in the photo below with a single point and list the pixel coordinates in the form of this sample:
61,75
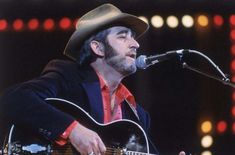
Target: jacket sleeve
25,106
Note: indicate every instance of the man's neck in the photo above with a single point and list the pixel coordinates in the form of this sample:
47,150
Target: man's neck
111,77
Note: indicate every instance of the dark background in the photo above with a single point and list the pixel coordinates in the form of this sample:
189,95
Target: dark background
177,99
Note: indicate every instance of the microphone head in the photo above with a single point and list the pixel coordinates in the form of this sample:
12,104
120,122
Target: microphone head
140,62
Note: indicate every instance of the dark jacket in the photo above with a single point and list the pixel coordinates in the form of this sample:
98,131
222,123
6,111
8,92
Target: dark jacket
24,105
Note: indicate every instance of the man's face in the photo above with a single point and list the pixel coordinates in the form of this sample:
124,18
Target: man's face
120,50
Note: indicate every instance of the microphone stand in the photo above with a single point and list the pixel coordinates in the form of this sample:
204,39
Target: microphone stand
223,80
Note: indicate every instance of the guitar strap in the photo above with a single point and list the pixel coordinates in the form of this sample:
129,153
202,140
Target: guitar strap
134,115
132,111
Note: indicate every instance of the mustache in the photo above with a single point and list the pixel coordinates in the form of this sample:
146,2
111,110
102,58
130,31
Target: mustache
131,54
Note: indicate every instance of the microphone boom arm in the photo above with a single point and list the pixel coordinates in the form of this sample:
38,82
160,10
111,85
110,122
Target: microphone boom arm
224,80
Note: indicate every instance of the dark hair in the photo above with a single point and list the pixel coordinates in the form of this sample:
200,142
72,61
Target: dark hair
86,55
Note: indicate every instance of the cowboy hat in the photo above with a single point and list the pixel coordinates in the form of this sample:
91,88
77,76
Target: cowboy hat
97,19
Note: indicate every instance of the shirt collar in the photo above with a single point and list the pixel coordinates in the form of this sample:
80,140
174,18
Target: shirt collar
122,92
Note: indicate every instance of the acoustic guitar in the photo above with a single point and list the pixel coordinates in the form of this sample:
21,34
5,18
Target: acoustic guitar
121,137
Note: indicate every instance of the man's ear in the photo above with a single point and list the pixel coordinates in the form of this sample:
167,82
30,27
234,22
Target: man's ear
97,48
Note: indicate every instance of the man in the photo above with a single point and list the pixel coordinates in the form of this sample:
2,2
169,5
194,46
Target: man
103,49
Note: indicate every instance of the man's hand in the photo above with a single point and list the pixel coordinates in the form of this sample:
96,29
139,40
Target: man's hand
86,141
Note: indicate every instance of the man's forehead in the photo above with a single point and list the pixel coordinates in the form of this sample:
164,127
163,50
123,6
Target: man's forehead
118,29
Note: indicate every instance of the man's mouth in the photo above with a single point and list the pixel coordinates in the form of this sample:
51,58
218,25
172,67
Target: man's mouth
132,55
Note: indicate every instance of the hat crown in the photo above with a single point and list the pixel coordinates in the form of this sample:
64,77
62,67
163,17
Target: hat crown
98,19
99,14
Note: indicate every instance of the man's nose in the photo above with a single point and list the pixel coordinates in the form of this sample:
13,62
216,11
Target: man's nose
134,44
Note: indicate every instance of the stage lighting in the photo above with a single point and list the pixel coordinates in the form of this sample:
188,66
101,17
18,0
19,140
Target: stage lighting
233,52
206,141
206,153
65,23
187,21
3,24
232,34
144,19
232,20
48,24
18,24
203,20
233,111
33,24
206,126
157,21
218,20
172,21
221,126
233,68
233,78
233,96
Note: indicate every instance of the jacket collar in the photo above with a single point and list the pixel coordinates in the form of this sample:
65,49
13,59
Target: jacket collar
91,86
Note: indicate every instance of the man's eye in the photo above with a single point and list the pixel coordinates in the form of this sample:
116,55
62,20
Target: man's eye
122,36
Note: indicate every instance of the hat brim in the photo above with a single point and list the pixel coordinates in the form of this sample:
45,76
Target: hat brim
82,33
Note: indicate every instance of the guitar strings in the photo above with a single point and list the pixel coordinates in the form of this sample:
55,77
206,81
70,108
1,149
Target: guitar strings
107,152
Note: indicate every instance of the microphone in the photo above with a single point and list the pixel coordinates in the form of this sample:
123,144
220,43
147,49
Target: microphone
142,62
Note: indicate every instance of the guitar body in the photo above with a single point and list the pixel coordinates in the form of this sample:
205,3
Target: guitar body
119,137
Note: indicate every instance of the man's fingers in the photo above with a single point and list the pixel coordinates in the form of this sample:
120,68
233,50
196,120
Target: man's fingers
101,146
96,148
86,141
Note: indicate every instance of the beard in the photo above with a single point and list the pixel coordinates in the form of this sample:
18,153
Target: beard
119,62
